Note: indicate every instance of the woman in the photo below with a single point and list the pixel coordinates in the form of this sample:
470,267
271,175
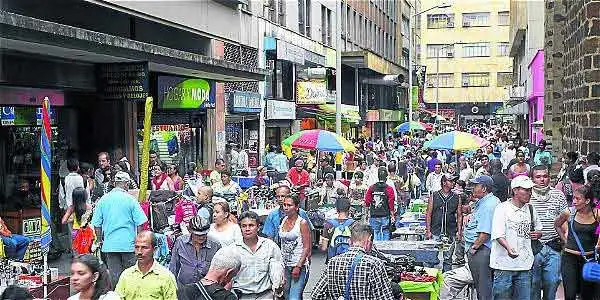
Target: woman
571,183
90,279
465,172
160,180
582,220
296,248
357,190
173,172
223,229
82,210
121,166
520,168
261,176
227,188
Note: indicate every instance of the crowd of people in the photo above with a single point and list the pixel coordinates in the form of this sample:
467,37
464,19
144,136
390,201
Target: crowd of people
511,231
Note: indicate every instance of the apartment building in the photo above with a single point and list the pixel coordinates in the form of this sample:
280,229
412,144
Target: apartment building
465,49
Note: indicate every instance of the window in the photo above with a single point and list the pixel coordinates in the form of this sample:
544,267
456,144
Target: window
301,17
355,27
504,79
325,25
441,50
440,21
503,49
503,18
405,27
308,18
272,11
281,12
446,80
361,31
349,23
475,79
476,19
404,59
476,50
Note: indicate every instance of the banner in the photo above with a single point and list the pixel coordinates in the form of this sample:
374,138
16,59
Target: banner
46,175
145,150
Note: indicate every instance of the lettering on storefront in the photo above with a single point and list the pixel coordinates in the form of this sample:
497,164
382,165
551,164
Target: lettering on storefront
123,81
244,102
311,92
32,227
185,93
372,116
280,110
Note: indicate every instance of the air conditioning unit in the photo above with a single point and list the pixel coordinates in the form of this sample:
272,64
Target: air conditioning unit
450,54
450,24
465,83
430,84
466,24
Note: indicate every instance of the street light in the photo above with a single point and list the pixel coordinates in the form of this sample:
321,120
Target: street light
410,64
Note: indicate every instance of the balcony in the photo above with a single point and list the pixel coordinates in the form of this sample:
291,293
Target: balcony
516,94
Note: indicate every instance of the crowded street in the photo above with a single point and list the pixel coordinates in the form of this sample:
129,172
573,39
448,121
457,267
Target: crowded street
300,149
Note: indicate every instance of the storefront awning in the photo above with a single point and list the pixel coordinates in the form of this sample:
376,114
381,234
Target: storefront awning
326,112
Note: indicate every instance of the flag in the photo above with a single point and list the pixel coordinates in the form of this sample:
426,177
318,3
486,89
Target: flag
46,175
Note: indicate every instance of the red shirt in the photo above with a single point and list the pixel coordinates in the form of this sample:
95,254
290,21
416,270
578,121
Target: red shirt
299,178
388,190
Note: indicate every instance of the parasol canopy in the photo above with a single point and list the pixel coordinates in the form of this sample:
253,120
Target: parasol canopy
319,139
457,140
409,126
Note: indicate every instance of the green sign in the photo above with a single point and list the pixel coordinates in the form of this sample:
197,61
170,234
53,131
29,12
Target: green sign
415,98
185,93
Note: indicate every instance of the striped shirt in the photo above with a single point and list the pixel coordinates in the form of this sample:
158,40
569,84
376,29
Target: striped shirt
548,208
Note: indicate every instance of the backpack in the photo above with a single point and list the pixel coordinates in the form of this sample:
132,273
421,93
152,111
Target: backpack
82,244
340,239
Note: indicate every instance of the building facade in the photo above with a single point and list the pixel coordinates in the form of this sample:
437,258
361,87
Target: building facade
466,51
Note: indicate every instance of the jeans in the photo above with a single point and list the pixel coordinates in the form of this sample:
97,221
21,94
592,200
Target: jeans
294,288
381,228
571,267
479,264
545,274
459,252
15,246
510,285
447,256
116,262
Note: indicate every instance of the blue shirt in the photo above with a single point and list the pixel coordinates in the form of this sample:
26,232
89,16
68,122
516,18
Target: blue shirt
481,220
280,163
118,214
271,226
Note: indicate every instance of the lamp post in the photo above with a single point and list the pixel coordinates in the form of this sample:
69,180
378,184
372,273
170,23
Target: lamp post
410,62
338,68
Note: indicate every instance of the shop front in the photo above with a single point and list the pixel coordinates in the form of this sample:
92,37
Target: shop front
381,122
242,120
279,116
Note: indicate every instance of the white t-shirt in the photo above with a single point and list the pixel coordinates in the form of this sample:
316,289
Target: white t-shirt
227,237
72,181
108,296
514,225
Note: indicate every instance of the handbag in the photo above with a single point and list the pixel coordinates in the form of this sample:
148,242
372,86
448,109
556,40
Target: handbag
536,245
591,268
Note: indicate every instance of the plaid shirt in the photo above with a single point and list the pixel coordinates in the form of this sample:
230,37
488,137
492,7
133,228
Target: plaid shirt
369,281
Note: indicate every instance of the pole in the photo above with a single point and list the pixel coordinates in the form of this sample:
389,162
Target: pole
338,68
437,85
410,70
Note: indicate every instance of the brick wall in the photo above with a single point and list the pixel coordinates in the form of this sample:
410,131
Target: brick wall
581,61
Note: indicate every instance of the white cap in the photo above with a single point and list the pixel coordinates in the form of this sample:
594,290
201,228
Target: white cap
522,182
122,176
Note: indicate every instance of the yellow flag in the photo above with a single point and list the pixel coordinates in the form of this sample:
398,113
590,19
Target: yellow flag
145,150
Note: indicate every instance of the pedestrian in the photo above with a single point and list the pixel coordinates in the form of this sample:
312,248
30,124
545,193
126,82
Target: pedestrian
79,213
434,179
501,184
117,218
571,183
205,204
581,242
223,230
215,175
242,162
520,168
99,175
227,189
279,162
15,292
593,159
160,180
90,279
508,154
477,235
147,279
357,189
173,172
335,238
296,248
380,200
224,266
511,255
548,203
484,169
443,217
261,275
193,252
121,166
433,161
300,180
355,274
15,245
329,190
272,223
542,155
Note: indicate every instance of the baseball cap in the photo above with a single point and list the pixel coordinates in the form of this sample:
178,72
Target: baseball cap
449,177
522,182
122,176
483,179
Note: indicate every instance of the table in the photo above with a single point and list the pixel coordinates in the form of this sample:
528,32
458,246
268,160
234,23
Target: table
422,251
405,233
57,290
424,290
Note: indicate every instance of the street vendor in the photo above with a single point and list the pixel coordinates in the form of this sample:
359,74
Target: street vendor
300,180
329,190
15,245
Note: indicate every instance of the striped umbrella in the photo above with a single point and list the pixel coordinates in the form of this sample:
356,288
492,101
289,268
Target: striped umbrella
46,175
457,140
319,139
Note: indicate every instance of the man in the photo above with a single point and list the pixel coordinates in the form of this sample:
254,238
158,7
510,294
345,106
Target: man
443,217
324,169
549,203
72,180
477,235
192,253
261,273
354,274
103,164
273,220
508,154
300,180
224,266
147,279
434,179
215,175
15,245
204,201
231,158
501,183
433,161
338,226
117,218
542,156
484,160
242,164
329,190
511,255
24,197
119,155
593,159
279,163
380,200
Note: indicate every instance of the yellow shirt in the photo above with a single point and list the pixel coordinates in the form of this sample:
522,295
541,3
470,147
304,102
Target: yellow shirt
158,283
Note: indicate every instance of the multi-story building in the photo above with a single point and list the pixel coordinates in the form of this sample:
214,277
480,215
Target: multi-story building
466,49
526,48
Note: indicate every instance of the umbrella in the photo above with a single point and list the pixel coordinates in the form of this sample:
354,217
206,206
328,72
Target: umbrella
318,139
457,140
406,126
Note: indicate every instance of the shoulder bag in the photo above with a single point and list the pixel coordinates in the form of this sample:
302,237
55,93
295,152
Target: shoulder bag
591,268
536,245
355,262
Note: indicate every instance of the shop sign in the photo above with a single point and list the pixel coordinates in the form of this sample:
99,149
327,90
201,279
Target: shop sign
30,96
330,57
123,81
289,52
23,116
372,116
185,93
32,227
311,92
280,110
253,135
244,102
